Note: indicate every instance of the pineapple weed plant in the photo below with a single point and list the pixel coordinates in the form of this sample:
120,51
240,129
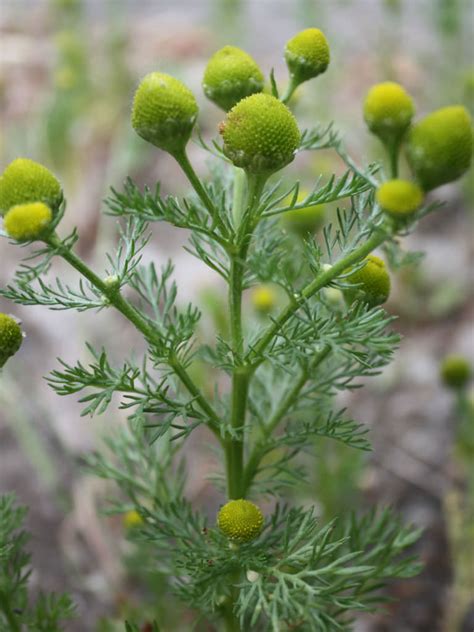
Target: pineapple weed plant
275,395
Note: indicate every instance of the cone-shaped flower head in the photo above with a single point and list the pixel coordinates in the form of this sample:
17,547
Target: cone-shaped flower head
240,520
27,221
307,54
11,337
399,198
164,112
373,282
455,371
264,298
304,221
25,181
231,75
439,147
260,134
388,111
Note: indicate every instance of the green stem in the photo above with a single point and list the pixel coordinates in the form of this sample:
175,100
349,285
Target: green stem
140,322
238,196
183,161
393,149
285,404
322,279
293,84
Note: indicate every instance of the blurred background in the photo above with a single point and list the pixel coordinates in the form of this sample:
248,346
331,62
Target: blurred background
68,69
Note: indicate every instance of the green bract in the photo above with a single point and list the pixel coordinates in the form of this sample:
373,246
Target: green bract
439,147
25,181
455,371
373,282
240,520
307,54
164,112
27,221
260,134
231,74
399,198
11,337
388,110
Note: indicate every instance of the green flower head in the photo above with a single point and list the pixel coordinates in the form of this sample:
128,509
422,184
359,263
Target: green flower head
11,337
25,181
455,371
231,75
439,147
388,111
240,520
304,221
24,222
307,54
399,198
373,282
264,299
164,112
260,134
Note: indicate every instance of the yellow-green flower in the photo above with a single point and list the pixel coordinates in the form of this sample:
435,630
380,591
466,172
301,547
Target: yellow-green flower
132,519
455,371
399,198
307,54
304,221
25,181
11,337
164,111
24,222
264,298
373,282
388,111
240,520
260,134
439,147
231,75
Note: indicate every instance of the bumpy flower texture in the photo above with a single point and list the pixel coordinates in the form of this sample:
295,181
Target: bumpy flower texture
25,181
260,134
11,337
388,110
24,222
439,147
373,282
164,111
231,75
240,520
307,54
399,198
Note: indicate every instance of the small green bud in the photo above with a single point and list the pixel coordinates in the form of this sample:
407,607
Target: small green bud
455,371
399,198
388,111
231,75
304,221
164,112
260,134
11,338
439,147
24,222
25,181
240,520
373,282
264,299
307,54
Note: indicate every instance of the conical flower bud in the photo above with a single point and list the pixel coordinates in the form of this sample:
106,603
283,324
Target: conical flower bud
373,282
388,111
307,54
164,112
260,134
24,222
11,337
399,198
439,147
455,371
240,520
231,75
25,181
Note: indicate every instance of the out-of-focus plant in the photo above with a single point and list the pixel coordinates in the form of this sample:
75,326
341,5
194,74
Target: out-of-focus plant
256,566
